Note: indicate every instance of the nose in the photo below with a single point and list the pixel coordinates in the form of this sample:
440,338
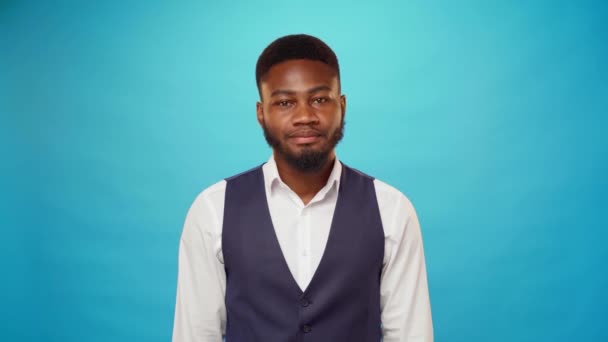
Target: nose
305,115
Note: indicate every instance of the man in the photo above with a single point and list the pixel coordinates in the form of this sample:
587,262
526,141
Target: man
303,247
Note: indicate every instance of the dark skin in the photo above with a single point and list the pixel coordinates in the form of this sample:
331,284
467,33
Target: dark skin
302,106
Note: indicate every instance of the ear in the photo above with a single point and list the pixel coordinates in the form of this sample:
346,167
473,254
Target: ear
259,111
343,105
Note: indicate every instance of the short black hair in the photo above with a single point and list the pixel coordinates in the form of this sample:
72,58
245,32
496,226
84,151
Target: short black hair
295,46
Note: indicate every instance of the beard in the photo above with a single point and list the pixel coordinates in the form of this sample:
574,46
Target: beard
308,159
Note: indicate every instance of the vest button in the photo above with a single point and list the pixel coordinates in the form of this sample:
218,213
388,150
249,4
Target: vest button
304,302
306,328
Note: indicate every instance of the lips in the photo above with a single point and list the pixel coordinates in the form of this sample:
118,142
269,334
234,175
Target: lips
305,137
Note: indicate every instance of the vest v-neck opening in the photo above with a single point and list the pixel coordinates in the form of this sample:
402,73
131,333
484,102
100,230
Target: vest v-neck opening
293,280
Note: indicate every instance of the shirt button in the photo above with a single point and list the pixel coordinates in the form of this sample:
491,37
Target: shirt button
306,328
304,253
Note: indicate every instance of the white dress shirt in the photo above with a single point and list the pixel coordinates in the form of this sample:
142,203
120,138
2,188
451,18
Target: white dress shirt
302,231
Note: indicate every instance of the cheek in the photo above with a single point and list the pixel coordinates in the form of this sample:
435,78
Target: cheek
275,122
332,116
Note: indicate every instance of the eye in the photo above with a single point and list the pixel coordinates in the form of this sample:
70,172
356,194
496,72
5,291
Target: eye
320,100
283,103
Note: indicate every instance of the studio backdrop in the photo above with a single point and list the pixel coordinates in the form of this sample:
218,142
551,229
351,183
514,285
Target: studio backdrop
490,116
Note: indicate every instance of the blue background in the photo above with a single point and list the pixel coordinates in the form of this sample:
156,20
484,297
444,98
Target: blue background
490,116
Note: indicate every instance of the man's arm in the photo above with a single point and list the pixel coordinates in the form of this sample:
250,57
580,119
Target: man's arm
200,313
406,310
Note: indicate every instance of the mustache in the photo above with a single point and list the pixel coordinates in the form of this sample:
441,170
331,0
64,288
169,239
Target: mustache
306,132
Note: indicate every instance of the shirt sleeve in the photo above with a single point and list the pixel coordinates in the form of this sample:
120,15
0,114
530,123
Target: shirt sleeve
404,295
200,313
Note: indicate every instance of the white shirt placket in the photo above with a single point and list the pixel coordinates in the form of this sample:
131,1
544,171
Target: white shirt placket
304,246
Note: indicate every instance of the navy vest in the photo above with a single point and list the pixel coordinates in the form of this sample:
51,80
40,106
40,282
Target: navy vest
264,302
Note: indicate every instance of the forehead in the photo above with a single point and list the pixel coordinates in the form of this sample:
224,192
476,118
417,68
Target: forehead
299,75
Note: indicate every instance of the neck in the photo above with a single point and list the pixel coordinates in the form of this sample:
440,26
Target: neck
305,184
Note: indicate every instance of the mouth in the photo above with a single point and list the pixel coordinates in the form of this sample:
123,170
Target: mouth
305,137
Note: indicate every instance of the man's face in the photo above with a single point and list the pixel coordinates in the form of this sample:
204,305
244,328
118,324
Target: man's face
302,112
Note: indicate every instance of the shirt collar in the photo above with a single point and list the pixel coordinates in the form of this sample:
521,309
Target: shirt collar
273,180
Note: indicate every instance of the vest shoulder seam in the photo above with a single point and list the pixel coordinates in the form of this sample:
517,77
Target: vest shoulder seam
360,173
250,171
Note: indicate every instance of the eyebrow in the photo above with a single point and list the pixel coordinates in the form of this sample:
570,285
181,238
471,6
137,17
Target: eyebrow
309,91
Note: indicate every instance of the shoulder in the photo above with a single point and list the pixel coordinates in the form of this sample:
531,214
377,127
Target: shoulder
211,193
217,191
209,201
355,172
246,174
207,209
212,197
391,198
204,216
395,207
396,210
